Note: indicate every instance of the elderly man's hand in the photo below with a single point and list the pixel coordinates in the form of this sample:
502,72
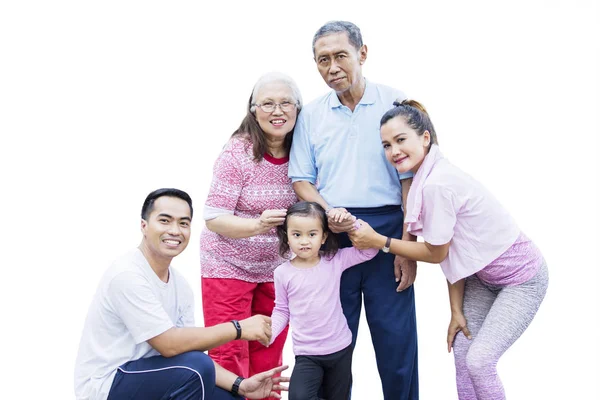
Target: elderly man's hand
405,271
340,220
257,327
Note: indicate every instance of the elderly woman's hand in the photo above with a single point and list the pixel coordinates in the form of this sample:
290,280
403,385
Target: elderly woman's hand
364,237
270,219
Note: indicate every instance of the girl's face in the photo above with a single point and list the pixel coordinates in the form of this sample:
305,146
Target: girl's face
305,236
404,148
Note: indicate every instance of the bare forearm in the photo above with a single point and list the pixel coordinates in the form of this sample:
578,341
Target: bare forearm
223,378
456,293
182,340
416,251
233,226
306,191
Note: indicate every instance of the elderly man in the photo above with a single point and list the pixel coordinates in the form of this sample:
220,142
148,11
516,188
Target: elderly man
139,339
337,160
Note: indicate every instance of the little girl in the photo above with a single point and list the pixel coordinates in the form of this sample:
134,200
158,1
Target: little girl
497,276
307,294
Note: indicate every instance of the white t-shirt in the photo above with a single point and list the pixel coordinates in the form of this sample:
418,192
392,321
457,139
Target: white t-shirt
130,306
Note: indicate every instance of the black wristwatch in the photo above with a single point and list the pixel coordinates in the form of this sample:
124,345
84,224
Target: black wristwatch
236,385
386,248
238,329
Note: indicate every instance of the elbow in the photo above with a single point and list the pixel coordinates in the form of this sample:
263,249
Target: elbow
210,224
165,350
166,344
168,353
438,257
300,188
297,186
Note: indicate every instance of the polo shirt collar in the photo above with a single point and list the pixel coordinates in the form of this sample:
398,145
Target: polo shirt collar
369,96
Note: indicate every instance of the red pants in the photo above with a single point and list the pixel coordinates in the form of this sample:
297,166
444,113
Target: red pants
227,299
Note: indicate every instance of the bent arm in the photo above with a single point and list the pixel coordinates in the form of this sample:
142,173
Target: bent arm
418,251
181,340
306,191
234,227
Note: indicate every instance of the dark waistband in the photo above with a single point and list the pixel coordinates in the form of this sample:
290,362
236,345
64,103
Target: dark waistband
374,210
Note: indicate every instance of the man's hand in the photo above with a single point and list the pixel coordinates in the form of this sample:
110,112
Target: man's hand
270,219
458,322
257,327
264,384
405,271
340,220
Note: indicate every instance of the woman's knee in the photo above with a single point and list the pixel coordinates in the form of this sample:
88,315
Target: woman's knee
479,362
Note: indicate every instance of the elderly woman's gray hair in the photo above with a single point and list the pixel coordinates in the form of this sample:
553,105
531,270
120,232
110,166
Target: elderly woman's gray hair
331,27
278,77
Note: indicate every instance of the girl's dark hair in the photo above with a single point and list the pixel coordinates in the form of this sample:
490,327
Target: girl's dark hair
250,129
415,115
307,209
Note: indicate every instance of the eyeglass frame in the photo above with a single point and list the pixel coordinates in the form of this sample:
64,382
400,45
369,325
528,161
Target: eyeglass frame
275,105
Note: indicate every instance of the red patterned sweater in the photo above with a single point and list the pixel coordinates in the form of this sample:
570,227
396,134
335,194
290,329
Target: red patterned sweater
245,188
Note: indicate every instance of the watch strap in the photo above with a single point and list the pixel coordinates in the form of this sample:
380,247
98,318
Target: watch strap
236,385
388,242
238,328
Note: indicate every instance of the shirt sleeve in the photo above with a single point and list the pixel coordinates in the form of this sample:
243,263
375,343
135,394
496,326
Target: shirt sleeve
351,256
227,183
281,313
438,214
302,165
134,301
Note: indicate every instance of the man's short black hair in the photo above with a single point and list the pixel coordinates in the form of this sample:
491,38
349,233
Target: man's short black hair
169,192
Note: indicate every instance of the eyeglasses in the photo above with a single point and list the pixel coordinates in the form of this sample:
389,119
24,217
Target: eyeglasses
269,106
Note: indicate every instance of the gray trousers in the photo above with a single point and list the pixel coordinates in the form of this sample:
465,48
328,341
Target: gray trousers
496,317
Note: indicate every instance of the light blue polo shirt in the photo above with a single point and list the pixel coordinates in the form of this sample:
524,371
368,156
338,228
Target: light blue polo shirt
340,151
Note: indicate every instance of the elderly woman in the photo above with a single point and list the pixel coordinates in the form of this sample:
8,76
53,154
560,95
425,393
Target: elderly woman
248,198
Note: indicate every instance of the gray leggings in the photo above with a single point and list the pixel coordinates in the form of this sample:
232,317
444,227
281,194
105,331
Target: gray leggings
496,317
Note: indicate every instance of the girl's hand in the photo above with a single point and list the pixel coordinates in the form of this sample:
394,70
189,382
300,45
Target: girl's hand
365,237
458,323
264,384
270,219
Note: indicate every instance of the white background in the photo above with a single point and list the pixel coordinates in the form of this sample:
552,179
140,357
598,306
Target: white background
103,102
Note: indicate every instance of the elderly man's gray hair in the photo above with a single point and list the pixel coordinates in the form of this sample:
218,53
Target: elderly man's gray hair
271,77
331,27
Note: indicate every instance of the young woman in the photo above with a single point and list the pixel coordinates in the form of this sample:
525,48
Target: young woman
497,276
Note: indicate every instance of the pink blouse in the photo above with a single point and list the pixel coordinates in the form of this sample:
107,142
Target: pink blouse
446,205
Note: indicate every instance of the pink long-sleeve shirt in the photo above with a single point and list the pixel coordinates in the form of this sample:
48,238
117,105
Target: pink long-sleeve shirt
309,299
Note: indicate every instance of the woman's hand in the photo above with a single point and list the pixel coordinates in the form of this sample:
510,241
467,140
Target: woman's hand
264,384
458,323
270,219
365,237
